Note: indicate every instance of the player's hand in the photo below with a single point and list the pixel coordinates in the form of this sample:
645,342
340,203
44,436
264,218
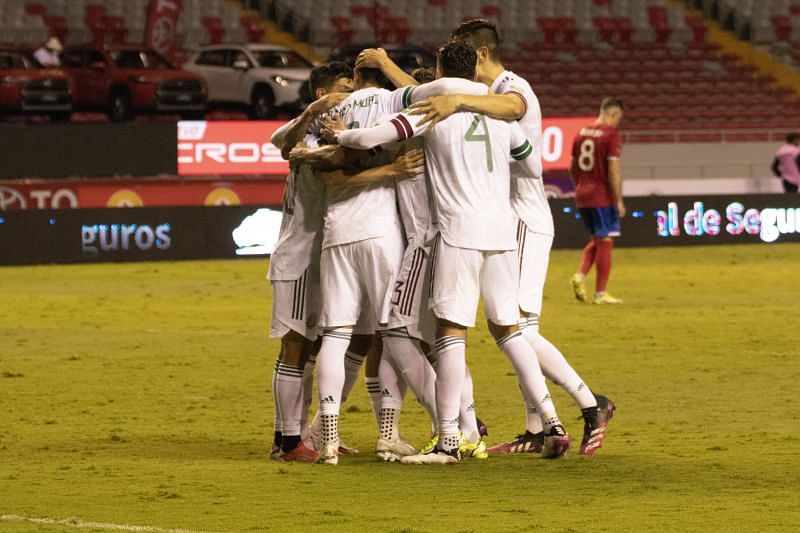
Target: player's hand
298,155
409,164
371,58
436,108
326,103
331,126
621,208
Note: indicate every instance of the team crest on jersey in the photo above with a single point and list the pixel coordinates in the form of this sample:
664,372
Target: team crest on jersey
311,321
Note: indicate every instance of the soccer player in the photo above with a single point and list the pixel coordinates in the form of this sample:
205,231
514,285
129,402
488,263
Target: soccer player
595,170
514,99
474,249
294,276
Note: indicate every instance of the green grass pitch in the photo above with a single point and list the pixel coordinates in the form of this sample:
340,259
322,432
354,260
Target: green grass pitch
139,394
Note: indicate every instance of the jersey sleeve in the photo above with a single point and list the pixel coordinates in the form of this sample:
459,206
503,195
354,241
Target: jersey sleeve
614,145
399,99
521,150
399,128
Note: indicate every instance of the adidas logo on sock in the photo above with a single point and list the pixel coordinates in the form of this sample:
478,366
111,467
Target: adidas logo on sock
327,399
386,393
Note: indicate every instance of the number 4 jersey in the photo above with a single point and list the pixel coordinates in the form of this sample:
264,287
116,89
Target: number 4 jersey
591,149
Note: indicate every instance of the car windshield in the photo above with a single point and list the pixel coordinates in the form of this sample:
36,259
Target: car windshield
17,61
140,59
280,59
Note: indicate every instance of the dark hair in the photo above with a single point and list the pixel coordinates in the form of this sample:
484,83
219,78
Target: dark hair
611,101
326,74
457,60
793,138
423,75
374,75
478,33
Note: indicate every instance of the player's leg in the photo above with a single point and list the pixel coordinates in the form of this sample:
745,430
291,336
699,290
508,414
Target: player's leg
289,392
341,304
499,288
372,375
455,292
607,228
578,281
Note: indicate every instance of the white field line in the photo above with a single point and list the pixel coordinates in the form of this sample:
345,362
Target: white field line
81,524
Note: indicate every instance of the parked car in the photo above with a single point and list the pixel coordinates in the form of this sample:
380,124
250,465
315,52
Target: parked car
407,56
27,87
123,79
260,76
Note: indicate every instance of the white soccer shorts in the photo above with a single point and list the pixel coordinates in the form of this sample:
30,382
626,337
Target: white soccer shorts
356,278
534,257
296,305
409,297
462,276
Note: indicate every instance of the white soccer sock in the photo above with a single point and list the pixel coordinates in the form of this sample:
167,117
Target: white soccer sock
391,401
451,355
530,376
556,368
408,358
308,388
330,380
275,401
289,385
374,391
352,366
533,422
466,420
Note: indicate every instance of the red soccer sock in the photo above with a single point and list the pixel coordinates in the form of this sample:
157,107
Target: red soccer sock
589,252
604,248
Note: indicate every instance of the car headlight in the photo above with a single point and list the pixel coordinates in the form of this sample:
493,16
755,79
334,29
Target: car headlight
141,79
284,81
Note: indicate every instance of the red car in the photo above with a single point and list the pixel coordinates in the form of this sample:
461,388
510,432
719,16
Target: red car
27,87
121,79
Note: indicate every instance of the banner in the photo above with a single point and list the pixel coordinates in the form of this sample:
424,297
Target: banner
162,26
238,148
229,148
143,192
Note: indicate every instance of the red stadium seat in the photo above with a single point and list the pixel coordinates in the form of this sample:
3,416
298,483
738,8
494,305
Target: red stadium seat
254,28
698,27
782,26
659,21
35,9
344,30
214,28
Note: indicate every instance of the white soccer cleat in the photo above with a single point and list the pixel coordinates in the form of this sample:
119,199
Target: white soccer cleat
435,457
393,450
329,454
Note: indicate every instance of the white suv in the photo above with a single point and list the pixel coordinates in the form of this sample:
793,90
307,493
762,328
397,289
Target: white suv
261,76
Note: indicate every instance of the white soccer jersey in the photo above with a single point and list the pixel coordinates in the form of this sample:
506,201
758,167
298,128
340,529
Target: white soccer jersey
467,158
528,197
412,194
300,235
357,213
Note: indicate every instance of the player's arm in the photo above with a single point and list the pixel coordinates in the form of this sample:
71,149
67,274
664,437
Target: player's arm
615,180
279,135
521,150
405,165
776,167
329,157
399,128
296,131
378,58
508,106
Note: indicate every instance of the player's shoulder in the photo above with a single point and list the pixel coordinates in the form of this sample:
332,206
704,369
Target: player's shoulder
510,81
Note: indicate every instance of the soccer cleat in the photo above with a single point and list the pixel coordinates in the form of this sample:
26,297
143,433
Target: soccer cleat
578,287
434,457
329,455
556,443
431,444
483,430
301,453
606,299
276,453
314,441
392,450
472,449
526,443
595,424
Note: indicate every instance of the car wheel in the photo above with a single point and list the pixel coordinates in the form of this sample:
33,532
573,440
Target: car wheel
119,106
263,104
60,116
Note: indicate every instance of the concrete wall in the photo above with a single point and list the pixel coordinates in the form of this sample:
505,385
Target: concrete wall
699,168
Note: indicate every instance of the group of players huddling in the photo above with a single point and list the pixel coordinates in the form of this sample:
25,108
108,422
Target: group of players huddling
402,209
